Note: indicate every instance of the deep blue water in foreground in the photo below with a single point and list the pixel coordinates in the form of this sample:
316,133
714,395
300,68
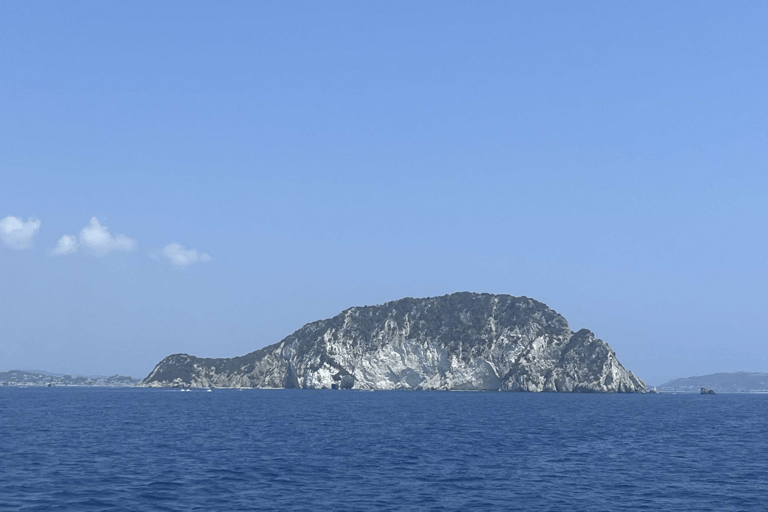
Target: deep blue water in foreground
138,449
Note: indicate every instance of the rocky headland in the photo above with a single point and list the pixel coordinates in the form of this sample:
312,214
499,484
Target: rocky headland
462,341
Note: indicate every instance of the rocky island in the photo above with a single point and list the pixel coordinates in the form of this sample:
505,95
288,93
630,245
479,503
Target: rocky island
462,341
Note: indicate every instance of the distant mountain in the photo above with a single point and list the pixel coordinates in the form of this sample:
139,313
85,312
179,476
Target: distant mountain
39,378
463,341
720,382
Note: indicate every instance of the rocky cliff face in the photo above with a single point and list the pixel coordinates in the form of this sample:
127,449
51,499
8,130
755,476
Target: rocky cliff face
463,341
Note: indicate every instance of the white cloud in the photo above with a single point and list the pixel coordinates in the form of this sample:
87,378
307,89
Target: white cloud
18,234
67,245
181,257
94,239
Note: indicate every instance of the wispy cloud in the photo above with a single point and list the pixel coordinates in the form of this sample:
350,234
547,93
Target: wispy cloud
94,239
67,245
180,256
17,234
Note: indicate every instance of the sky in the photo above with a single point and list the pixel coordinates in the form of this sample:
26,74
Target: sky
207,177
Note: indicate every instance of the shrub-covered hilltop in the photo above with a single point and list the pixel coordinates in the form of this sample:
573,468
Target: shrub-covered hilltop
463,341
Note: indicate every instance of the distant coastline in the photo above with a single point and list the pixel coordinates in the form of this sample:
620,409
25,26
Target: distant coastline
725,382
26,378
735,382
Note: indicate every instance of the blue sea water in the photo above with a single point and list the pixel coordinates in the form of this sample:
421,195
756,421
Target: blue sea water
87,449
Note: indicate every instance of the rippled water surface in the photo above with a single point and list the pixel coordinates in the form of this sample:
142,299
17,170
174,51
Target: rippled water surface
138,449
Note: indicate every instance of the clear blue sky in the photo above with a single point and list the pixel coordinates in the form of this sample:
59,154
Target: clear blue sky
609,159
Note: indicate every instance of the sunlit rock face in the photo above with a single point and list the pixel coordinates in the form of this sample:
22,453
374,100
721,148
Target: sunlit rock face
463,341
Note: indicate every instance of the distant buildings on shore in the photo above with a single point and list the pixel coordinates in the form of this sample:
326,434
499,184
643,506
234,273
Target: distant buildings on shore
20,378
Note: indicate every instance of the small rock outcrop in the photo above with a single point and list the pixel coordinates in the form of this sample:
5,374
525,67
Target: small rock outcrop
463,341
707,391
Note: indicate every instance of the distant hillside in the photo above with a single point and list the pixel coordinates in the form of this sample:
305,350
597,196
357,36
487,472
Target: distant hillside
38,378
721,382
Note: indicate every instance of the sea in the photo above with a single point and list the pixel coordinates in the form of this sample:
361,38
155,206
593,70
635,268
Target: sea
135,449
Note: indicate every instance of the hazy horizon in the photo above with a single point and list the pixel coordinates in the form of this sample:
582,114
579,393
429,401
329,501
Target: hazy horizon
208,178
